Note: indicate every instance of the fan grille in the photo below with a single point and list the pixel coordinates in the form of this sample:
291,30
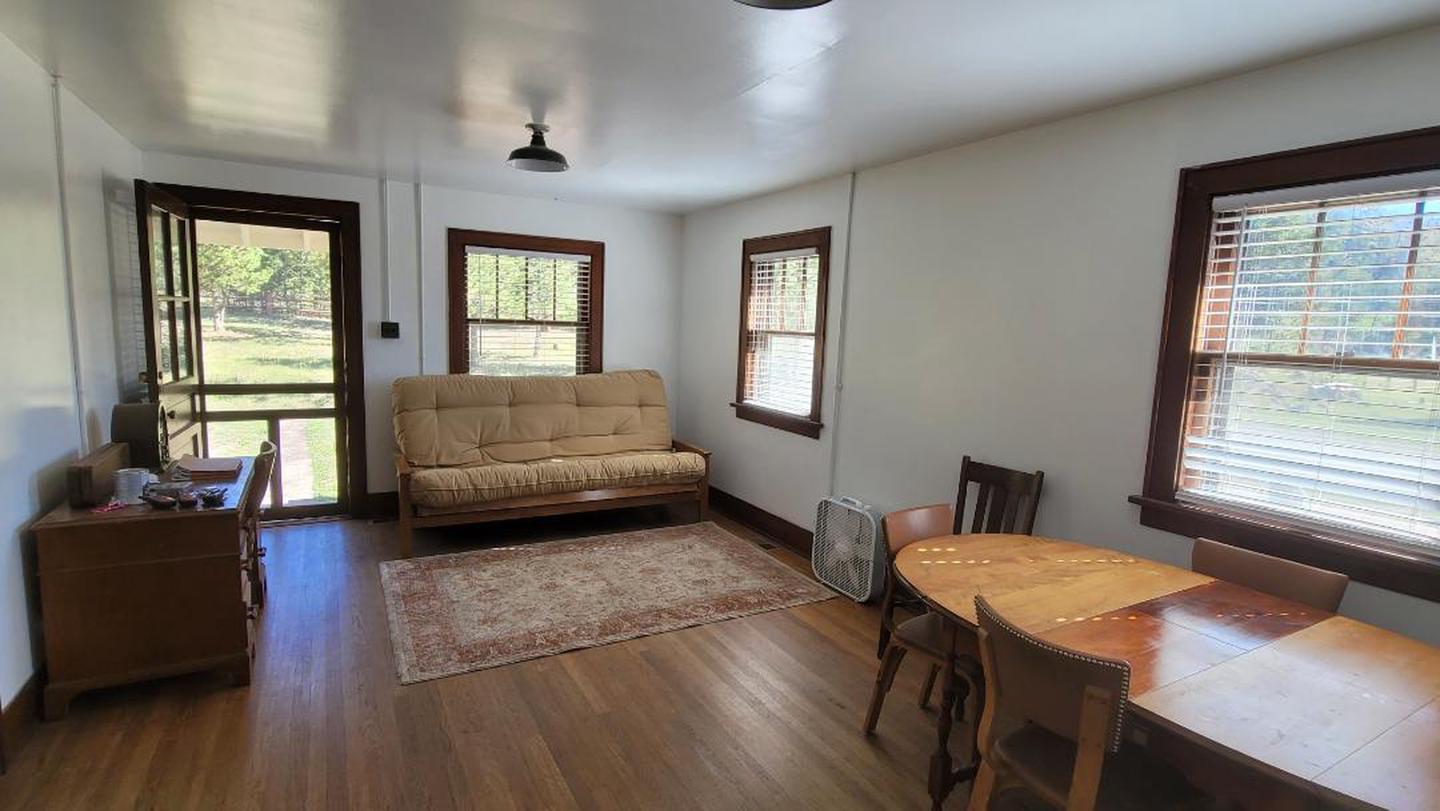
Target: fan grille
847,553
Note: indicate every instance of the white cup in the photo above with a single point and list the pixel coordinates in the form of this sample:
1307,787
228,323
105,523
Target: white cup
130,484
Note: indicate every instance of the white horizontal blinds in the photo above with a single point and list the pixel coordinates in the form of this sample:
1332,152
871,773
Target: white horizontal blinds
780,331
528,314
1316,387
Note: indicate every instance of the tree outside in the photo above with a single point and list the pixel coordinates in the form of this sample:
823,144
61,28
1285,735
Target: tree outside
264,278
526,314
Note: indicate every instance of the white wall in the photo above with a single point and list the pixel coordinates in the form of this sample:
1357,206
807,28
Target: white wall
37,418
641,269
778,471
41,410
1006,300
100,169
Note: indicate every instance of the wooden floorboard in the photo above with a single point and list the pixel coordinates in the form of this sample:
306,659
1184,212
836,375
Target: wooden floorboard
760,712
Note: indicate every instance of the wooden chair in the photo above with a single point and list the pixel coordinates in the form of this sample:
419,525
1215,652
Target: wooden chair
250,519
1070,711
1006,501
1318,588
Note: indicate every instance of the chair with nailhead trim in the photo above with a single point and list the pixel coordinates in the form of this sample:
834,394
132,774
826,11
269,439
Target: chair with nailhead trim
1066,710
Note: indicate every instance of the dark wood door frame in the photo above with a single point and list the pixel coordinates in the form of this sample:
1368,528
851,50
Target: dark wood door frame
341,219
177,395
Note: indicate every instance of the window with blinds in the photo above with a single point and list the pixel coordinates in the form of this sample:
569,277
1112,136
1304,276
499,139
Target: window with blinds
1315,382
782,330
524,310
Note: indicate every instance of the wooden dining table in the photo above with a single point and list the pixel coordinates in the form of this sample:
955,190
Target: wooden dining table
1343,712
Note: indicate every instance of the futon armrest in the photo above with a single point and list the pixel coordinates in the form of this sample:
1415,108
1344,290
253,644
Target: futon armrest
402,466
688,448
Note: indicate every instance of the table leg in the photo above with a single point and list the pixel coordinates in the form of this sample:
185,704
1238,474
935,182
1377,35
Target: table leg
977,705
943,776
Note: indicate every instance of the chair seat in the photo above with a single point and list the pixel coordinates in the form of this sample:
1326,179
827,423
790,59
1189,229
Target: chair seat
1131,780
927,633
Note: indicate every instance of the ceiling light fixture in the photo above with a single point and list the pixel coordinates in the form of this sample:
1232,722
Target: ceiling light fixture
537,157
783,4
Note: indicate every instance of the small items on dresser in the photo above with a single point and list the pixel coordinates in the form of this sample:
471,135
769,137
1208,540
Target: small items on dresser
130,484
160,501
179,493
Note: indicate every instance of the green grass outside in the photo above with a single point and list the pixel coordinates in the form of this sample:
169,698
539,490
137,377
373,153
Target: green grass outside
255,348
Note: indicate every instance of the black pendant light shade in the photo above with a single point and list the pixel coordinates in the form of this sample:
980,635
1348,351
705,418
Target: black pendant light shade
537,157
783,4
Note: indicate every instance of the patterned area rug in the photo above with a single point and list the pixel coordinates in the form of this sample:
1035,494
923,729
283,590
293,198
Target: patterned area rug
453,614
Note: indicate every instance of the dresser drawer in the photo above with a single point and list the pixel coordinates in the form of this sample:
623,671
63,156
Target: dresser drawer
126,620
176,536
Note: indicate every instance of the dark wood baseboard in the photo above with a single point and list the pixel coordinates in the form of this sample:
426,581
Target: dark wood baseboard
794,537
18,719
380,506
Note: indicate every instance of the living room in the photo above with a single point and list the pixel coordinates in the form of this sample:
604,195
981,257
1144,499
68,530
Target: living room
992,235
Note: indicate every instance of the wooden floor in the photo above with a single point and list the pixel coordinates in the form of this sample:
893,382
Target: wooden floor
760,712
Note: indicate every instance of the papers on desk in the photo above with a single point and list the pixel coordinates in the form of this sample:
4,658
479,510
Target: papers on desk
198,469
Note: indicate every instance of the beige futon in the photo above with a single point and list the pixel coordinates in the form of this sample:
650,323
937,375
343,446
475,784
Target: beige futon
474,448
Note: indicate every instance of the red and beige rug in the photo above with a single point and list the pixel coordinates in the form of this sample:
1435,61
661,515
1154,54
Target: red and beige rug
453,614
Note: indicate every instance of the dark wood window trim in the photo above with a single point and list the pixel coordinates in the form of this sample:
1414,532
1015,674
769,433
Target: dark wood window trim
342,219
805,425
461,239
1367,559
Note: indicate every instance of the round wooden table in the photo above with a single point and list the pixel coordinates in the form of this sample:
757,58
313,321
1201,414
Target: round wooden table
1344,710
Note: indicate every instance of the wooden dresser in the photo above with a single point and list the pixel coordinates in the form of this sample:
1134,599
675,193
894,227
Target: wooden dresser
140,593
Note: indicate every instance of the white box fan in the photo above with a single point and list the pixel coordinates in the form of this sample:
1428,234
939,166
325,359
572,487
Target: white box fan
848,553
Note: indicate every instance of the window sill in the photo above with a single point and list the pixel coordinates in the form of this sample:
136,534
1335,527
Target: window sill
778,419
1367,560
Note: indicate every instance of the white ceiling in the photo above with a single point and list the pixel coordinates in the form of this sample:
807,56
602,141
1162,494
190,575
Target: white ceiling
660,104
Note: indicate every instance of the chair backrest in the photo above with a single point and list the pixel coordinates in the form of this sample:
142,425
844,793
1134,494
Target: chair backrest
904,527
1045,684
259,481
1318,588
465,420
1006,500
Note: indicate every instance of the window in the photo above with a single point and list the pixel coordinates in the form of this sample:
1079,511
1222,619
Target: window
782,330
1298,401
523,305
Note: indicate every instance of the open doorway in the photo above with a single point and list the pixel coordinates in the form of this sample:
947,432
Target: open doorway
268,365
269,336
